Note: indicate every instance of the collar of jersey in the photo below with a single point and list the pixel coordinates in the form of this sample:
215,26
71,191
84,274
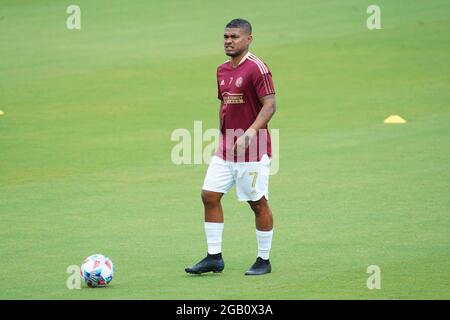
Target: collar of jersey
242,60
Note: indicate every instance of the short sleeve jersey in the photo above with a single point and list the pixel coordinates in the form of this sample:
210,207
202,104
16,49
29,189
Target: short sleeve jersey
240,89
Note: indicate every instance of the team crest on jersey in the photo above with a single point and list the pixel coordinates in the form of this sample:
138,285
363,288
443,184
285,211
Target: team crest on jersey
222,82
238,82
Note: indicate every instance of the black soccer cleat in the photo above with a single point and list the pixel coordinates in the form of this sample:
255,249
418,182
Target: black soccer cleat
260,267
212,263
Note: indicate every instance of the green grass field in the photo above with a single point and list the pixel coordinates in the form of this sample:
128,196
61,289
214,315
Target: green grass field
85,148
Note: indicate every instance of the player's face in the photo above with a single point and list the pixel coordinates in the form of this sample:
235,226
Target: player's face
236,41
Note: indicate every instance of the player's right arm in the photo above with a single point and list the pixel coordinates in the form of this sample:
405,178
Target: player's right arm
219,96
220,115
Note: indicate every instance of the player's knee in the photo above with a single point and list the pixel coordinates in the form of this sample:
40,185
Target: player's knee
210,199
260,206
256,207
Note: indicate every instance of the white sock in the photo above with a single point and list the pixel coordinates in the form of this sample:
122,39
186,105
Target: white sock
264,239
213,232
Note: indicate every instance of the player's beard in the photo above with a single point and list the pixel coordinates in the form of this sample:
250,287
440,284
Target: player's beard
234,54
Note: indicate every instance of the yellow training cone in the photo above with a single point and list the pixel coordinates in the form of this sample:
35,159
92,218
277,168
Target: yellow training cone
1,113
394,119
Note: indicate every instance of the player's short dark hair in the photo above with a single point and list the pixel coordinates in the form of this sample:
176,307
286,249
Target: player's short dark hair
240,23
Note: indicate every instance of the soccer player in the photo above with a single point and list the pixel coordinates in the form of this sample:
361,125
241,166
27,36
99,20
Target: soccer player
247,103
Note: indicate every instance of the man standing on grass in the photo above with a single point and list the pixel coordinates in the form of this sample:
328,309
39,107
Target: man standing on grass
247,103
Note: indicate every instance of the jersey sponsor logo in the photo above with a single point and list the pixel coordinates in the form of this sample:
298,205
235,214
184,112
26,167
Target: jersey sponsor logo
233,98
238,82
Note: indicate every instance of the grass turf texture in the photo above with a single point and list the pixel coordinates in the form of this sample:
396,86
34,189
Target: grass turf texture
85,149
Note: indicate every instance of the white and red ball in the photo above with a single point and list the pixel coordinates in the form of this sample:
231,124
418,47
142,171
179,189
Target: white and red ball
97,270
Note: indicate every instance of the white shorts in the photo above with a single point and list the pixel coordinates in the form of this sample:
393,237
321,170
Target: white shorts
251,178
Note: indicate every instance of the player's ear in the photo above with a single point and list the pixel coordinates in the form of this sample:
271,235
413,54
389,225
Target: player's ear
250,38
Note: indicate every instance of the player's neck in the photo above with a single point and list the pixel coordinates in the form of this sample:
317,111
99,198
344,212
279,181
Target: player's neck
236,61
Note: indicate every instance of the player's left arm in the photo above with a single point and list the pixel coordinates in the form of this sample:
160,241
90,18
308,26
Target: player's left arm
265,114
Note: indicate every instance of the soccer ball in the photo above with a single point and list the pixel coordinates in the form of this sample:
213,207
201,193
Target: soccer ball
97,270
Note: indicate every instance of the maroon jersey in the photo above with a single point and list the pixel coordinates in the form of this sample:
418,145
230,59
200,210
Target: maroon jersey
240,89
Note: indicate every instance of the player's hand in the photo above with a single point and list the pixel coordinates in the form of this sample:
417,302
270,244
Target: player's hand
243,142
